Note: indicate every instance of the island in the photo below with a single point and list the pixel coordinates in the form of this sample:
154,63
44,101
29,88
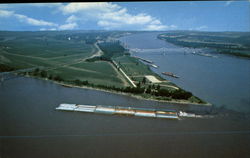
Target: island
87,59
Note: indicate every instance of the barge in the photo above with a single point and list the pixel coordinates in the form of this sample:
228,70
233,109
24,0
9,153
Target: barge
204,54
117,110
170,74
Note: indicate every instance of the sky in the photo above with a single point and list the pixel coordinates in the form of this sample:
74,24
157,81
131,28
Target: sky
155,16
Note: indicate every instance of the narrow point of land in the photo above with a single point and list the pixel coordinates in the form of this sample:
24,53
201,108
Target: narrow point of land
88,60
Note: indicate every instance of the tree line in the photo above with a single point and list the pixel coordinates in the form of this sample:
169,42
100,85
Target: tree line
6,68
154,90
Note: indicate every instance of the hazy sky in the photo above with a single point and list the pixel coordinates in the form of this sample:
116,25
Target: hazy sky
203,15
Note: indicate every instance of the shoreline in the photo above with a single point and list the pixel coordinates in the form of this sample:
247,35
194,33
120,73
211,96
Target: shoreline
132,95
181,102
173,101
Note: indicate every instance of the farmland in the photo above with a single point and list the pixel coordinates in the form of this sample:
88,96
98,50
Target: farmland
60,54
89,59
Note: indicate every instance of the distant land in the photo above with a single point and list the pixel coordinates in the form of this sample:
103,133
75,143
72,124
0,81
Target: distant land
231,43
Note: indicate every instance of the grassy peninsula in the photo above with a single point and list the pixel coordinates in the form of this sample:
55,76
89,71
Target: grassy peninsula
94,59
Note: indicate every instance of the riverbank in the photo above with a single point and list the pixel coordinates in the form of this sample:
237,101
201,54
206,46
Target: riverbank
31,126
217,41
93,65
180,102
142,97
212,79
135,72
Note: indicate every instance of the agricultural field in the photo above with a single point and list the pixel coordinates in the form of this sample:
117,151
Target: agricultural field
40,49
231,43
137,70
82,58
98,73
133,67
60,54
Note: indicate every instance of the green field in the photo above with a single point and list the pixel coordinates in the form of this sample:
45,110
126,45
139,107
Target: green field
93,59
99,73
232,43
40,49
132,66
137,71
58,55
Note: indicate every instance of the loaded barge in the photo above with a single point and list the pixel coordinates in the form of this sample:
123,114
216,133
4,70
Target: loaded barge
117,110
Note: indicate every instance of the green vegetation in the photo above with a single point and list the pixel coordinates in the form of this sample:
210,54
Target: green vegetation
74,58
5,68
60,53
111,50
142,89
232,43
133,67
136,70
97,73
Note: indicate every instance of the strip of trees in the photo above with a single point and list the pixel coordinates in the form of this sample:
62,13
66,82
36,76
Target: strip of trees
153,89
6,68
110,50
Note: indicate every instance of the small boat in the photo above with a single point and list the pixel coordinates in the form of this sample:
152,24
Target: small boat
170,74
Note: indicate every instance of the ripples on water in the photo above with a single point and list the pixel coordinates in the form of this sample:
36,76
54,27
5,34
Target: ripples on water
31,127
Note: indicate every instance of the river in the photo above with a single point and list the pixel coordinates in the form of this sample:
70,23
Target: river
31,127
222,81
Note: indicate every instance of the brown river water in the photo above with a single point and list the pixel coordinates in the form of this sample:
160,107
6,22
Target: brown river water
31,127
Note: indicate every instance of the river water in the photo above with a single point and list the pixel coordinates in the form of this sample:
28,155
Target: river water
31,127
223,81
